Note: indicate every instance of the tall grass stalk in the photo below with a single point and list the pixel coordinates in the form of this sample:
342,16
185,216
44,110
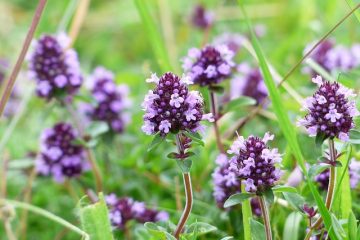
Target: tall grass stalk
5,95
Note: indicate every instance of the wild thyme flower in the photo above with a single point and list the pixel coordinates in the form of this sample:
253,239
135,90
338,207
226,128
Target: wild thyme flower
59,156
225,181
233,41
255,163
334,57
248,82
123,210
171,107
354,176
330,112
210,65
202,18
111,100
55,67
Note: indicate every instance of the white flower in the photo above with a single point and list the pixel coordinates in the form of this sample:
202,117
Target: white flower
165,126
333,115
153,79
176,100
237,145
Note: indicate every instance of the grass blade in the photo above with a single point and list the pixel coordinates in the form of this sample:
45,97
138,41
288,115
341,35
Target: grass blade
154,35
285,124
246,214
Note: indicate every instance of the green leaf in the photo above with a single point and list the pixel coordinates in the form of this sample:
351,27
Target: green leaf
236,104
172,155
185,165
195,137
95,219
352,226
319,139
339,231
154,35
316,169
97,128
295,200
292,226
237,199
282,188
201,228
158,232
269,195
354,137
155,142
217,89
257,230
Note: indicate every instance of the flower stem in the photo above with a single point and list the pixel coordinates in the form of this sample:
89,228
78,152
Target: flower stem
188,205
216,127
11,81
265,213
188,193
331,187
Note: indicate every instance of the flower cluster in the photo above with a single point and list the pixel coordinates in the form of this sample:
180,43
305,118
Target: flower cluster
201,18
225,181
123,210
249,82
330,112
111,100
171,107
354,174
59,156
255,163
55,67
234,41
210,65
334,57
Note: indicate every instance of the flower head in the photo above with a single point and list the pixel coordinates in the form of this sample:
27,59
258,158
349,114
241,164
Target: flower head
171,107
111,100
122,210
201,18
249,82
226,182
55,68
210,65
59,156
330,112
255,163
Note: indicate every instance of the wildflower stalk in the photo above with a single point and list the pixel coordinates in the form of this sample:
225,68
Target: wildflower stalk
216,127
89,154
266,216
331,188
188,193
11,81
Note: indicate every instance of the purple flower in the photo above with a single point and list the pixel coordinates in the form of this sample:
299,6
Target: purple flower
123,210
59,156
233,41
111,100
334,57
255,163
171,107
55,68
201,18
255,206
210,65
354,176
225,181
330,112
249,82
